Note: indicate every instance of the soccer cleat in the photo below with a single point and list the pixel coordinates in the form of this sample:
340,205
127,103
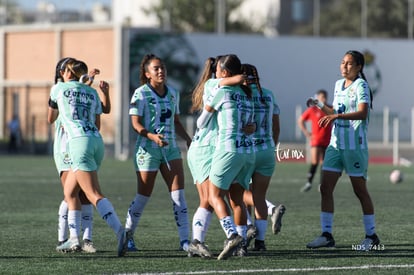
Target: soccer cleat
198,248
306,187
259,245
130,242
131,246
123,243
62,242
88,246
251,234
369,242
325,240
71,245
230,245
241,249
276,218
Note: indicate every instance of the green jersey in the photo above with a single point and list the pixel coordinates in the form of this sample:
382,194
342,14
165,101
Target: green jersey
350,134
78,106
234,111
265,107
157,112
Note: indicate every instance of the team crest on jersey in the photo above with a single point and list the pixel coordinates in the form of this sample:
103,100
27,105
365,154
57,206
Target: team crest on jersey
141,160
66,159
352,93
341,108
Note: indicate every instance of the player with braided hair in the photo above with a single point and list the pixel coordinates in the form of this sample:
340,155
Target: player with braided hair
265,139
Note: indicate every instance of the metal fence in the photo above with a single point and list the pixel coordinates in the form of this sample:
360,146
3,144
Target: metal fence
29,102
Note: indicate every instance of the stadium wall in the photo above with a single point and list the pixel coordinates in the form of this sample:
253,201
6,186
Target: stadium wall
292,67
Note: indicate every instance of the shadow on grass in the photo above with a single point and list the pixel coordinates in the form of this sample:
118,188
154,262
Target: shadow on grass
389,251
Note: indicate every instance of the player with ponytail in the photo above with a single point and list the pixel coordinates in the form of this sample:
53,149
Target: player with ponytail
265,139
348,148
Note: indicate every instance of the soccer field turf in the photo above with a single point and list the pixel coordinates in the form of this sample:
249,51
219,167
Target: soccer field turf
30,195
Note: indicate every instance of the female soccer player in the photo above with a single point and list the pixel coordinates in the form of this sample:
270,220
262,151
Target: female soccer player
265,139
62,161
348,148
79,108
154,112
234,155
201,151
319,137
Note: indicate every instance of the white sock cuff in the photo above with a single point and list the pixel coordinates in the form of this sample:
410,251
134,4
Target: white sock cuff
177,196
63,207
242,231
74,213
203,211
249,218
270,207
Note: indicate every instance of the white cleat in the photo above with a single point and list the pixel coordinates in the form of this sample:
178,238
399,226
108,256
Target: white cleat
276,218
306,187
71,245
88,246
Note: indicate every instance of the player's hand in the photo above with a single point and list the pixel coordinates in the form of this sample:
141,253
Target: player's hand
326,120
158,139
94,72
249,129
104,87
240,78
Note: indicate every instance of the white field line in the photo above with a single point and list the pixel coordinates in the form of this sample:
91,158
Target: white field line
302,269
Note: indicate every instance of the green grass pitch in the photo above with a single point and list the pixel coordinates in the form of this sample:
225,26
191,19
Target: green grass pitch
30,193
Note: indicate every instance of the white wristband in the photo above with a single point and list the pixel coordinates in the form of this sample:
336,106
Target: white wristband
320,105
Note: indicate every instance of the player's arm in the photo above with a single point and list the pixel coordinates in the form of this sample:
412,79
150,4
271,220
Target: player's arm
205,117
142,131
232,80
276,128
302,127
315,102
98,121
327,109
360,114
179,128
53,112
104,95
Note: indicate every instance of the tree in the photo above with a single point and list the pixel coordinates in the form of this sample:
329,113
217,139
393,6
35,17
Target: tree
343,18
195,16
9,12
